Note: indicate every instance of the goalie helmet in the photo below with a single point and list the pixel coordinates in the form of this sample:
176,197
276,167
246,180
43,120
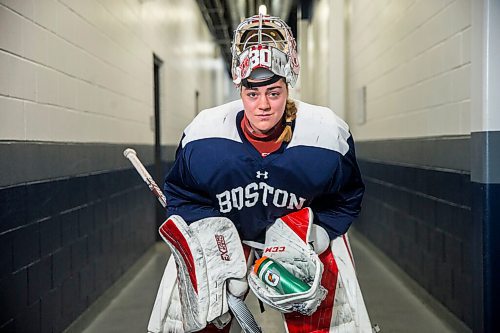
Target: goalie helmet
263,46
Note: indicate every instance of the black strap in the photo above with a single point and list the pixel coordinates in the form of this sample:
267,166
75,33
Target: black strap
261,305
250,85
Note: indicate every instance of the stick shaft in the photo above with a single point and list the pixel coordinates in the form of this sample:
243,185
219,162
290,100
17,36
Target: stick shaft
132,156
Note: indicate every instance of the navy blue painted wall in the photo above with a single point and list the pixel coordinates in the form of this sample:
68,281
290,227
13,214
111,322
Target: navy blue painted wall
421,218
486,210
64,242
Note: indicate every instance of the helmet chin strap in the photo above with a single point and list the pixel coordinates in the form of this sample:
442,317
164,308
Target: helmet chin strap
255,84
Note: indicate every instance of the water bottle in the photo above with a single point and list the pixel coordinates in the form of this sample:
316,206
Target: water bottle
275,275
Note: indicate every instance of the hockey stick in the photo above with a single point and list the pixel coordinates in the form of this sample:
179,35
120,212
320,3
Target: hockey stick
132,156
237,306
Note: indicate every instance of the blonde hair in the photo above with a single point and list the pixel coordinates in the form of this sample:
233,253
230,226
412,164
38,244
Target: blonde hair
290,115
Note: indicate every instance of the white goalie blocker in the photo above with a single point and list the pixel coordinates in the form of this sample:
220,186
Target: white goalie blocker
207,254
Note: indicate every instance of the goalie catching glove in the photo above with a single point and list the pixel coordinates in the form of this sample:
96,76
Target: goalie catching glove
287,243
208,253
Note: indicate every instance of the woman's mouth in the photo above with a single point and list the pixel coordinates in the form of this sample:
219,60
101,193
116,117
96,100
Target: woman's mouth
264,116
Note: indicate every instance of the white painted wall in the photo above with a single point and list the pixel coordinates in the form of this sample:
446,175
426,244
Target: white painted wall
82,71
414,57
321,43
485,66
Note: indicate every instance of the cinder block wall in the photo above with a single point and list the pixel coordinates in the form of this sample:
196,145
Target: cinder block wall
412,61
76,88
65,241
413,58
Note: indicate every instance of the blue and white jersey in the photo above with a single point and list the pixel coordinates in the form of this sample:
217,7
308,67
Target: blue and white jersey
218,172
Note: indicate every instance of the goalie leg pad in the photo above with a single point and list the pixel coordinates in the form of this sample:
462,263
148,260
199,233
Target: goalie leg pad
166,315
343,310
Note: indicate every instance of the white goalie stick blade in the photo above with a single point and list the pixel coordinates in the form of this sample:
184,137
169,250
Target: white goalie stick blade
242,314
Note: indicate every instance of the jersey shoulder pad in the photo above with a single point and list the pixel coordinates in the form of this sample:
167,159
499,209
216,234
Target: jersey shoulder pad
320,127
217,122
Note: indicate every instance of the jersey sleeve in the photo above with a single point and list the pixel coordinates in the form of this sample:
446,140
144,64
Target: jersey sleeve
341,203
184,196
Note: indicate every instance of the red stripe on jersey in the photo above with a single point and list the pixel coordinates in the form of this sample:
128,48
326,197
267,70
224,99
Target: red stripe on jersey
319,321
299,222
170,231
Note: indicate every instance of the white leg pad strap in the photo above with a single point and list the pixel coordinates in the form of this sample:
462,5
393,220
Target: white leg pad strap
173,320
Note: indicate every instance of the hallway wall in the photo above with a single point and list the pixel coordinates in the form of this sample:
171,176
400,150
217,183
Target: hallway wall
414,58
407,81
76,88
409,107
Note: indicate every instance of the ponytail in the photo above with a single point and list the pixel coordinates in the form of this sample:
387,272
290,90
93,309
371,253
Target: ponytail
290,115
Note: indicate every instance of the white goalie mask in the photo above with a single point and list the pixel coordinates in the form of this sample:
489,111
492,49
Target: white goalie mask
263,46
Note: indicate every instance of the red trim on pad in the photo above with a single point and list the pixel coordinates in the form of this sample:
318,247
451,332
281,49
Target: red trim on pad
170,231
299,222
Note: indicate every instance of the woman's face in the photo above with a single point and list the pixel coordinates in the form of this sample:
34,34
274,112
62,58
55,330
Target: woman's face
264,106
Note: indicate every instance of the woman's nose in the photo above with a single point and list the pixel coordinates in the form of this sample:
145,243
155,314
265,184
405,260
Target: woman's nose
264,103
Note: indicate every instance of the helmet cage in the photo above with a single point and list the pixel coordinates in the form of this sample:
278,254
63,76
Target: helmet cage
263,41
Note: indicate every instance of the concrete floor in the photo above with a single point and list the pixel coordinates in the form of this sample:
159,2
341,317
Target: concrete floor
395,303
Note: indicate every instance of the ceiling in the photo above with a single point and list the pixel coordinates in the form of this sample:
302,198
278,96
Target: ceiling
223,16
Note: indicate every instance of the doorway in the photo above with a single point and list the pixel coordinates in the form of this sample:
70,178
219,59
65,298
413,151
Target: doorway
158,164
